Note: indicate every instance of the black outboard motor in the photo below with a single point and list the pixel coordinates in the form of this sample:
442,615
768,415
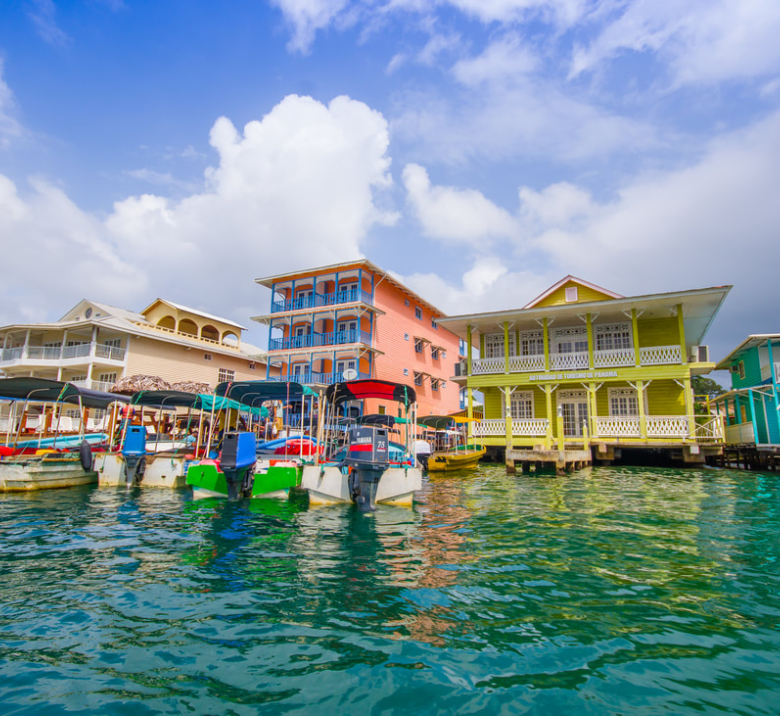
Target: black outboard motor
237,462
367,459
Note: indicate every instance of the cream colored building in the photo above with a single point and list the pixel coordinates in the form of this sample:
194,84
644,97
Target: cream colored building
94,345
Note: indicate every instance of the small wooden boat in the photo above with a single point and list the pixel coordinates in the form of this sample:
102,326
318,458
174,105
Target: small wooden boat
65,461
459,458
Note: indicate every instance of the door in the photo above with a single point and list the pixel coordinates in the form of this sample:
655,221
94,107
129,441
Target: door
299,336
574,407
344,365
346,331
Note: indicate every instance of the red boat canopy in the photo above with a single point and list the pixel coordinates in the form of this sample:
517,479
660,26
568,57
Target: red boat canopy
361,389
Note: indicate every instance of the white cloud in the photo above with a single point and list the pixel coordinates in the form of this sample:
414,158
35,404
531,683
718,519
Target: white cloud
507,57
703,41
307,17
455,215
159,178
293,190
43,15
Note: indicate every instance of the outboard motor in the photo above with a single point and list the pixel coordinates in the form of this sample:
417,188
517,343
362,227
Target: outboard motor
367,459
237,462
134,452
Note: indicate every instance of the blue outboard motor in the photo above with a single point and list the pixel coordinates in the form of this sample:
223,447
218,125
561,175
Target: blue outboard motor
134,452
367,458
237,462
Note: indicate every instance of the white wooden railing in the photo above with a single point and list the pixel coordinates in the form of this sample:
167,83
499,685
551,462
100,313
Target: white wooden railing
568,361
623,426
489,428
708,428
520,427
660,355
526,364
667,426
529,426
614,357
480,366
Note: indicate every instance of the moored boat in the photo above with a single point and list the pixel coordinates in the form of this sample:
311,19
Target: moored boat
360,466
450,451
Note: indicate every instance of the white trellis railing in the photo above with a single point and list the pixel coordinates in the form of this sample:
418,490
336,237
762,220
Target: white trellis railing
522,427
489,428
708,428
660,355
667,426
481,366
525,364
618,426
614,357
568,361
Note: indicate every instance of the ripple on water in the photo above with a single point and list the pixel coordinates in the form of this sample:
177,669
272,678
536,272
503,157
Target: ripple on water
607,591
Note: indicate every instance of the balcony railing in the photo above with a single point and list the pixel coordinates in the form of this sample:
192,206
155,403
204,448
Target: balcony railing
56,353
314,340
614,358
660,355
525,427
319,300
569,361
317,378
741,434
618,427
94,384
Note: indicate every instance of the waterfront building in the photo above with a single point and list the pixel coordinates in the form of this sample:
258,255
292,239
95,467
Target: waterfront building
354,320
93,345
752,407
581,367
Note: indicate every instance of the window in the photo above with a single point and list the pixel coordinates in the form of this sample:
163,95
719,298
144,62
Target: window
382,410
251,366
113,342
434,384
522,405
107,377
406,336
226,375
571,340
418,378
418,345
622,401
434,353
532,343
418,312
207,356
406,302
741,369
434,324
77,378
571,294
613,336
494,345
406,371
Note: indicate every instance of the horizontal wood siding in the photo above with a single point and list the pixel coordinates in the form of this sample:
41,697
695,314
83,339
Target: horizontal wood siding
658,332
665,398
584,295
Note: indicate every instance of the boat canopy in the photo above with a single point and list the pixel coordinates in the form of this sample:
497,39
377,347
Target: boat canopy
437,422
54,391
256,392
362,389
182,399
375,419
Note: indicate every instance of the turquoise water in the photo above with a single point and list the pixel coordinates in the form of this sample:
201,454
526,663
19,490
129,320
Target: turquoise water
611,591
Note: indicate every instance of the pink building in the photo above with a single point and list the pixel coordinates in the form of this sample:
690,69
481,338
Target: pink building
354,320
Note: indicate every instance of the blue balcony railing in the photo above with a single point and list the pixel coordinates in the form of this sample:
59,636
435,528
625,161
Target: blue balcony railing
316,340
318,300
318,378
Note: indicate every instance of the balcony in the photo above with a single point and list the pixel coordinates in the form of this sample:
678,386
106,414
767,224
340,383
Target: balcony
526,427
103,385
50,354
319,300
615,358
317,340
317,378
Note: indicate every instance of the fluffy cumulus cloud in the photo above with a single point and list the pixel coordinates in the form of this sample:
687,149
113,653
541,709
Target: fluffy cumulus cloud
455,215
295,189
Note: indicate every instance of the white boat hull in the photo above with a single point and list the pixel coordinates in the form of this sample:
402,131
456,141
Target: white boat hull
160,471
44,473
329,485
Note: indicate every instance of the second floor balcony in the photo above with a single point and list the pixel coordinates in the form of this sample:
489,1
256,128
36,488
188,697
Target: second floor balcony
57,354
312,378
318,300
318,340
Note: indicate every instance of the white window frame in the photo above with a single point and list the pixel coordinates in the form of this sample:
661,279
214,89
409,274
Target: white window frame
613,336
521,405
494,345
226,375
572,338
532,343
624,402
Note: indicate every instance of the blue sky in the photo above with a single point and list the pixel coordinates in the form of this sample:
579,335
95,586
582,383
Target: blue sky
479,149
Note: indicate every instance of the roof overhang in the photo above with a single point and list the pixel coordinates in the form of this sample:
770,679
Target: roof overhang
752,341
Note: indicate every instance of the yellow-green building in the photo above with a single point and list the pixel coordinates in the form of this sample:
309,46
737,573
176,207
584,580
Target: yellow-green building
582,368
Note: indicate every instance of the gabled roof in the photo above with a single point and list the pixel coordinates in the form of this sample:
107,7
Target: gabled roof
195,311
752,341
572,279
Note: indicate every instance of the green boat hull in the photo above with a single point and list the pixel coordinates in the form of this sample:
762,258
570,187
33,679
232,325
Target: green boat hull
208,481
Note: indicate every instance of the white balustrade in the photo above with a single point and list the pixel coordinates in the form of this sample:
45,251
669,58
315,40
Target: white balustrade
526,364
78,351
568,361
708,428
481,366
618,426
667,426
529,427
660,355
489,428
614,357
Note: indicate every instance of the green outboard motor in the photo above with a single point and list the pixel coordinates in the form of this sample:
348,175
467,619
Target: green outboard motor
134,452
237,462
367,459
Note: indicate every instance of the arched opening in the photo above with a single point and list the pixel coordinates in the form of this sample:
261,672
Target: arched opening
210,333
230,339
189,327
167,322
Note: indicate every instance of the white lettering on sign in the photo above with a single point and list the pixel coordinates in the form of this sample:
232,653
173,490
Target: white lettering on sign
583,375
